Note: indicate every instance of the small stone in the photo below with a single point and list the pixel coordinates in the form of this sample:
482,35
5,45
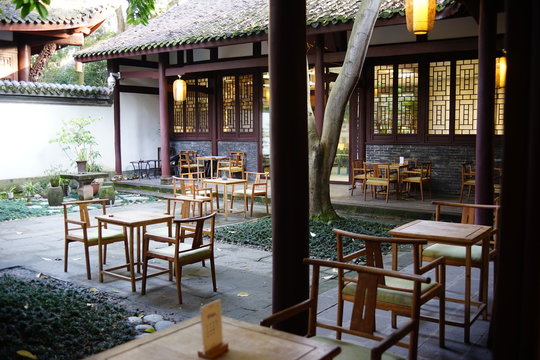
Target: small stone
152,318
143,327
142,335
134,320
163,324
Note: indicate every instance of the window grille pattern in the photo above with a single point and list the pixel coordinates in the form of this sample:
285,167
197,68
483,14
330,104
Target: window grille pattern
229,104
191,116
383,99
499,111
407,116
466,97
246,103
439,98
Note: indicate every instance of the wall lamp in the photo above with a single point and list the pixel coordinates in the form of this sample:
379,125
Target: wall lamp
111,80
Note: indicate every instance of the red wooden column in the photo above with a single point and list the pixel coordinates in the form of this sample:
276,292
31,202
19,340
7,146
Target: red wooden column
319,82
23,58
289,161
164,114
486,109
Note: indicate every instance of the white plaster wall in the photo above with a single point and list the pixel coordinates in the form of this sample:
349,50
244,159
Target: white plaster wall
26,128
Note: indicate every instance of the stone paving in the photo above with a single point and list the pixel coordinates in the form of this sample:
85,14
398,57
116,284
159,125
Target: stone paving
244,280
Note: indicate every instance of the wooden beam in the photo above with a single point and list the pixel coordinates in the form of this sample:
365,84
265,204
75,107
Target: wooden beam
220,65
138,63
140,75
138,89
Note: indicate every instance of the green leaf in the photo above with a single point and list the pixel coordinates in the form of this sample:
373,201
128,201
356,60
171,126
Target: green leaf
42,10
26,354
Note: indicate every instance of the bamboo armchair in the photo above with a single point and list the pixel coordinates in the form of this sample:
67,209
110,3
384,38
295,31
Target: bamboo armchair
383,177
359,173
363,322
419,175
467,180
180,252
194,188
394,295
187,162
234,164
83,231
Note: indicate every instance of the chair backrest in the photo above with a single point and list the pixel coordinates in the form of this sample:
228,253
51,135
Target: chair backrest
185,185
198,229
363,321
83,209
358,166
425,169
237,158
467,170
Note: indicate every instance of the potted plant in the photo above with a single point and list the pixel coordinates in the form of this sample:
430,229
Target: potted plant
9,192
55,194
77,142
30,189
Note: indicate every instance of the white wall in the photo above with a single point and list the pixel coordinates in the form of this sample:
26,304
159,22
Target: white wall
26,128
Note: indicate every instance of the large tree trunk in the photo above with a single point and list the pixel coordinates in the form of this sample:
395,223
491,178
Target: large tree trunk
322,149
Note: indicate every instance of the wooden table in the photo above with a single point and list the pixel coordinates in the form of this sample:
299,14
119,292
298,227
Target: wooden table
246,342
225,183
211,159
467,235
134,220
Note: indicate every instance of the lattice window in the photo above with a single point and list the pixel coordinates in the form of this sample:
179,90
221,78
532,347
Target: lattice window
383,99
499,111
439,98
407,116
466,97
191,116
229,104
246,103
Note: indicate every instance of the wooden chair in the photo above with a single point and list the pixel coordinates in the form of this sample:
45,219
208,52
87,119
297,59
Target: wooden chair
420,175
467,179
359,173
363,322
192,186
188,163
381,176
235,163
83,231
456,255
179,252
257,186
395,294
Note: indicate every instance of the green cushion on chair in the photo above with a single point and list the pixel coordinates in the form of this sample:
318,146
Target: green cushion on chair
353,351
160,231
392,296
192,256
106,234
412,179
376,181
453,252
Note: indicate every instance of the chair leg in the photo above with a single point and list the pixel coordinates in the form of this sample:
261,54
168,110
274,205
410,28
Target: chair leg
266,200
339,320
394,320
353,184
251,207
178,274
66,250
105,254
126,249
461,193
144,274
87,256
421,191
213,270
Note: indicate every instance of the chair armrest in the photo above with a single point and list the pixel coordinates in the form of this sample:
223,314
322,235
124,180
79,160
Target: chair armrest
287,313
76,222
392,339
103,201
441,261
159,238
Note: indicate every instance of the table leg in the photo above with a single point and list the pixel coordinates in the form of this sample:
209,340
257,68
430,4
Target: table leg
245,200
467,318
100,255
226,204
139,249
131,257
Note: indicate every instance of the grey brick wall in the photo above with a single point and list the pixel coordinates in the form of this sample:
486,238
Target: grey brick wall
446,161
201,147
250,148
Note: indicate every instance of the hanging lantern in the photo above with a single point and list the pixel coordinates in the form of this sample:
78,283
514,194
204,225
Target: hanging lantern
500,72
420,15
179,89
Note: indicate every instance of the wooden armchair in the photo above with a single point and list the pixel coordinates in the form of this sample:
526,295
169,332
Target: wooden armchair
235,163
382,177
395,294
180,252
363,322
83,231
192,187
420,175
187,162
359,173
257,186
456,255
467,179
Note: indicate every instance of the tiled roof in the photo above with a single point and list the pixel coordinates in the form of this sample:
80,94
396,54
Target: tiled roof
199,21
8,87
70,13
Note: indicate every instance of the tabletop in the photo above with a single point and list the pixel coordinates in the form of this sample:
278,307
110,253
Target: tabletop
451,233
134,218
245,341
228,181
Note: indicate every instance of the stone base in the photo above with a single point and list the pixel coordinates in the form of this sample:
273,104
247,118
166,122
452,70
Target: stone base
55,196
85,192
107,192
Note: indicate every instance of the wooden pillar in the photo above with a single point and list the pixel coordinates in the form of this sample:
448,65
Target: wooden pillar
23,58
164,114
319,83
114,67
486,109
289,161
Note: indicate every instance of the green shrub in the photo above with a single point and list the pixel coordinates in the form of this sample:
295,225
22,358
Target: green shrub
55,322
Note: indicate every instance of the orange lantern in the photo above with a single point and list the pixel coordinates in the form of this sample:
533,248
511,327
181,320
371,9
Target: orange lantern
500,72
420,15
